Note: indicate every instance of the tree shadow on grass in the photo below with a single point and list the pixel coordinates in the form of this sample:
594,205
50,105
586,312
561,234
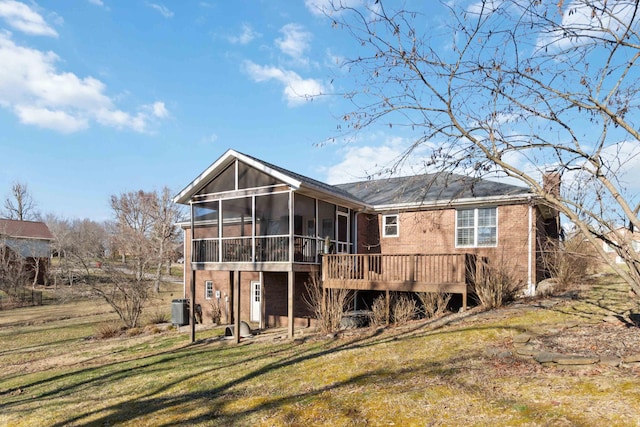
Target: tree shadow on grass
152,401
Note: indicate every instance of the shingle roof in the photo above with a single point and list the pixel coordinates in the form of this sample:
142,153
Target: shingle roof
25,229
425,189
428,188
305,180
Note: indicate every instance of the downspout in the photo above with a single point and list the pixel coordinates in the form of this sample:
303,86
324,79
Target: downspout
531,290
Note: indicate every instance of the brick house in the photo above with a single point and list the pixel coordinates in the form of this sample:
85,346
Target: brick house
27,243
258,231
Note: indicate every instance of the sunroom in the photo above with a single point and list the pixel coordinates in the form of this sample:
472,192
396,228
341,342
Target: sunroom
250,216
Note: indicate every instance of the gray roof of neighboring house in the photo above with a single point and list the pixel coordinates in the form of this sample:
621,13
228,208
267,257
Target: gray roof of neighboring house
428,188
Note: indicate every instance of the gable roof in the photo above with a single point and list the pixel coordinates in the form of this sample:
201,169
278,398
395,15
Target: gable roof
437,189
292,179
25,229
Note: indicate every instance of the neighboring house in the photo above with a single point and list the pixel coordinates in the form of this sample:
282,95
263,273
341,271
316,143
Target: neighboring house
621,235
30,241
259,231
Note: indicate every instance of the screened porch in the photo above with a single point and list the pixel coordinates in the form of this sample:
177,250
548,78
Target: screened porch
268,227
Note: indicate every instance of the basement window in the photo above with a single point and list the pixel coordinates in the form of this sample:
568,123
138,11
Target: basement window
390,226
208,289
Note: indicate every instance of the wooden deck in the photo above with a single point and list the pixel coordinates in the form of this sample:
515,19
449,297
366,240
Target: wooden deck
452,273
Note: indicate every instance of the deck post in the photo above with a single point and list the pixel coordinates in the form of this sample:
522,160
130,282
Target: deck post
192,306
263,305
236,306
388,298
365,267
291,298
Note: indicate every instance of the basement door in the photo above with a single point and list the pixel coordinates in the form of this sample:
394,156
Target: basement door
256,301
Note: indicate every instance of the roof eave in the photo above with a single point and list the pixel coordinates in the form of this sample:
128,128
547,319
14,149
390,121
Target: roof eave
469,201
205,177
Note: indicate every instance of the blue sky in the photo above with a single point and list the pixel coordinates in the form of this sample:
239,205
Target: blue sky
99,97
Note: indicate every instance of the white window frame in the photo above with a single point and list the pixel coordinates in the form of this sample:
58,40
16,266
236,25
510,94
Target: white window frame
208,289
475,228
397,225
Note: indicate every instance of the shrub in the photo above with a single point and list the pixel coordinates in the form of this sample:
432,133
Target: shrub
108,330
132,332
496,285
404,309
158,316
216,312
336,302
379,311
434,303
568,261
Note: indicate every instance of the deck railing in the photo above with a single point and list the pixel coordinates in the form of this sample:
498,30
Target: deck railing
396,272
306,249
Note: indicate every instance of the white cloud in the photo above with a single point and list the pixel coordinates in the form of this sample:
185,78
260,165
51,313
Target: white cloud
246,36
39,94
164,11
484,7
296,89
295,42
324,7
589,21
21,17
50,119
382,156
159,110
97,2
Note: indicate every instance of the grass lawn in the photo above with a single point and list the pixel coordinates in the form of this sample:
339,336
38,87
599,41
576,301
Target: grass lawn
424,373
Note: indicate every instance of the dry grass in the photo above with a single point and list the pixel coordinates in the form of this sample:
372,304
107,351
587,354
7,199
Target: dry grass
434,371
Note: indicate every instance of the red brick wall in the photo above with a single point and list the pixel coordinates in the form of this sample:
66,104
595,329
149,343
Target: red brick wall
275,293
433,232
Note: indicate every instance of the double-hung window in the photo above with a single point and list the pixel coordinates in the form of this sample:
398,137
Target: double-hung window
390,226
476,227
208,289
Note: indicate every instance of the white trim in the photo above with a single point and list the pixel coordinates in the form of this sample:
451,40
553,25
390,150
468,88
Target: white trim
384,225
457,203
475,228
226,159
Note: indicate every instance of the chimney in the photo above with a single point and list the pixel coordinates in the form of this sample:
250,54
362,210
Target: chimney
551,182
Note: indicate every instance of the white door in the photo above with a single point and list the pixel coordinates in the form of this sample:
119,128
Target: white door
256,301
342,246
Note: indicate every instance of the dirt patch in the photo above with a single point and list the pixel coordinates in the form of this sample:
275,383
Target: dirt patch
593,340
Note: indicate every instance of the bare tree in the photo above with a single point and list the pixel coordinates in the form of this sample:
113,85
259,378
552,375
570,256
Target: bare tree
20,205
13,275
514,88
78,245
134,225
164,231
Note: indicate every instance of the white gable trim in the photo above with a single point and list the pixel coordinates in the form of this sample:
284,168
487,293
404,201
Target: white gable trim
229,156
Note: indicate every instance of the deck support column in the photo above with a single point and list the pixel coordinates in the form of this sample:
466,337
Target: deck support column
291,299
192,306
236,306
388,298
263,305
